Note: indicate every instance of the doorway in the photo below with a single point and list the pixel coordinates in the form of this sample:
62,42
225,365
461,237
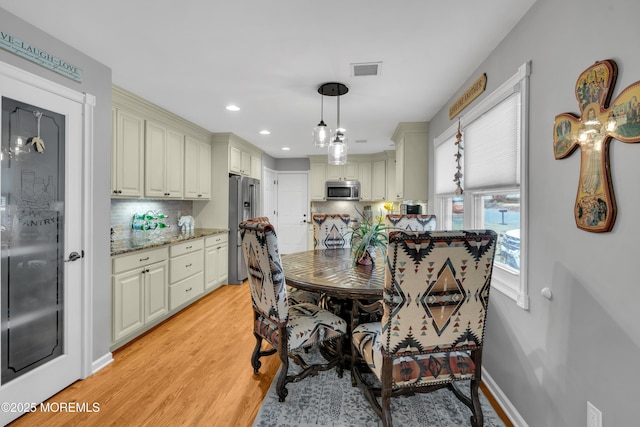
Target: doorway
41,206
293,211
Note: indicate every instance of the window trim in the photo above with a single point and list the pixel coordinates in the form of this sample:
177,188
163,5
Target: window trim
514,286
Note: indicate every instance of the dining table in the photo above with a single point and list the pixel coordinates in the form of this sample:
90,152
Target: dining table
332,272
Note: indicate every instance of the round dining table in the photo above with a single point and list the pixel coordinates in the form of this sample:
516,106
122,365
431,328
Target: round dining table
331,272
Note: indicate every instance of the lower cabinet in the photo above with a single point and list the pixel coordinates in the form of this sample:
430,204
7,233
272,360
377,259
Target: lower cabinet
186,272
151,285
140,293
216,271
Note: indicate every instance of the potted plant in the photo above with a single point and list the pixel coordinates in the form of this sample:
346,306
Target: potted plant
369,236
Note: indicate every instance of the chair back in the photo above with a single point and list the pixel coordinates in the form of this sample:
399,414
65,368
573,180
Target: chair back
329,231
411,222
264,270
264,219
436,291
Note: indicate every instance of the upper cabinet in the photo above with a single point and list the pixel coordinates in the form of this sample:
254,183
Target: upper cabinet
243,157
379,180
149,153
127,163
348,172
412,177
318,180
197,169
164,161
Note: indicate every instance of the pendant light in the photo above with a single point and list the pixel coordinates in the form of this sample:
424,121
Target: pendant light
321,132
337,154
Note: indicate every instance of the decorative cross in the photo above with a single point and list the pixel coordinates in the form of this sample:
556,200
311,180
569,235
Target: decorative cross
595,208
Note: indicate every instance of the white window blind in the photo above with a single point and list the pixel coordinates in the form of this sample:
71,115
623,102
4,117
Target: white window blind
445,166
492,147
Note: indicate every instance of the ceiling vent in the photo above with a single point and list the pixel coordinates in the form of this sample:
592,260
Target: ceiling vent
361,141
366,69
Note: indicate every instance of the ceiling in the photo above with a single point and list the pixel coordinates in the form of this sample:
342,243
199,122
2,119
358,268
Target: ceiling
194,57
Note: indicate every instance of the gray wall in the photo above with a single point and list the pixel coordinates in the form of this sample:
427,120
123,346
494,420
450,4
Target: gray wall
584,343
295,165
96,81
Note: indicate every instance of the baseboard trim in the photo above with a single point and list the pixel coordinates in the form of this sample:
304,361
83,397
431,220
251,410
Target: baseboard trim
510,410
101,362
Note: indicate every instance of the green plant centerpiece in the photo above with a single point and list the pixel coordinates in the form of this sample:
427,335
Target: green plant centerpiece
369,236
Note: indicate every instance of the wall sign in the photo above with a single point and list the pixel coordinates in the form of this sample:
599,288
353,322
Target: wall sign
39,56
468,96
595,207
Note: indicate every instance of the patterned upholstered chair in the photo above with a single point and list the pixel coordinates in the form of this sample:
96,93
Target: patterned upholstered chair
434,309
288,329
329,231
411,222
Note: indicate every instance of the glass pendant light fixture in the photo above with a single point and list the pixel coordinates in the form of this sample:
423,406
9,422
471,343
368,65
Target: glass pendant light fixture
337,154
321,132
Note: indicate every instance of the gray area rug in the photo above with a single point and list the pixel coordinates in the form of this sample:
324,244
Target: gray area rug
326,400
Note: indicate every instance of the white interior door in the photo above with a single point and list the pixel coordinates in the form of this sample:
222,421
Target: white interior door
270,196
293,211
41,214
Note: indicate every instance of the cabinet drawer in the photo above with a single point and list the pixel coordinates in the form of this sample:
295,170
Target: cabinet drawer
139,259
186,265
186,290
186,247
216,239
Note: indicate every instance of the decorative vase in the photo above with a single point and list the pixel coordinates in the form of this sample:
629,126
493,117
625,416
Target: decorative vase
366,257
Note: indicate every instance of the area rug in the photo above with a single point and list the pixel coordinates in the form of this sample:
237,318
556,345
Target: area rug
326,400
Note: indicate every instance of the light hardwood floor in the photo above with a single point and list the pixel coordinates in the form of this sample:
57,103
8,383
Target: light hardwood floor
192,370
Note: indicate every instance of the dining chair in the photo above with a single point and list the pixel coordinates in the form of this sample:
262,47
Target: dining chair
329,231
288,329
294,295
411,222
434,308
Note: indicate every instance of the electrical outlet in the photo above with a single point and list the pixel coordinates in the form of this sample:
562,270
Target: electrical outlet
594,416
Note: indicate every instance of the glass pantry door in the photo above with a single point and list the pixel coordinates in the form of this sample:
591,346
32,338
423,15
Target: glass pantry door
41,256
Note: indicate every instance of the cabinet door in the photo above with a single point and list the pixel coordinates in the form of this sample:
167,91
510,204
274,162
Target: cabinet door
174,178
334,173
191,161
114,152
235,160
318,180
204,170
351,171
155,160
256,167
156,291
378,180
211,267
129,164
246,163
223,264
365,181
128,303
400,170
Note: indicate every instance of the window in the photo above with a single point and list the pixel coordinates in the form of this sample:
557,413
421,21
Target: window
494,179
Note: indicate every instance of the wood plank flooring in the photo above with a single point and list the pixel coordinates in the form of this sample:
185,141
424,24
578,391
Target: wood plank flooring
192,370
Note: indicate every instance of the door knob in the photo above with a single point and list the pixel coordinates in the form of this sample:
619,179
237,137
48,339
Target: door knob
74,256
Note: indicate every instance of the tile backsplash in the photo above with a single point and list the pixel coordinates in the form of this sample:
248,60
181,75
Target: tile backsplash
122,211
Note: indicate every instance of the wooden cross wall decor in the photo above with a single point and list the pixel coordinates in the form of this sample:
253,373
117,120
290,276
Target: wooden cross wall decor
595,208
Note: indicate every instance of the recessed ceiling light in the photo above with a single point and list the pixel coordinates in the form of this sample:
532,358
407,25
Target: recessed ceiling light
233,107
265,132
286,148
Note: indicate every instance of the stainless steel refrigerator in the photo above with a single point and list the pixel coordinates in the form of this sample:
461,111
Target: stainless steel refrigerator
244,203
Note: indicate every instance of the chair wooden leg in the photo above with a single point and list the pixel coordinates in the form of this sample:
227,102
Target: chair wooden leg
477,419
281,388
385,393
255,357
340,351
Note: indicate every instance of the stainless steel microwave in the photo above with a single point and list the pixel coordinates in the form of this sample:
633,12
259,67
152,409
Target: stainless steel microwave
343,190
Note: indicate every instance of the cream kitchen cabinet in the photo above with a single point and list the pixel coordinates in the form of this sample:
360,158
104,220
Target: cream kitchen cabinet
256,167
197,169
216,261
318,180
127,163
239,161
140,291
364,175
186,272
164,161
348,172
379,180
412,176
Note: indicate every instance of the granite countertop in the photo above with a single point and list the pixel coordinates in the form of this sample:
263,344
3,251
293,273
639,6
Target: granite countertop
123,246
